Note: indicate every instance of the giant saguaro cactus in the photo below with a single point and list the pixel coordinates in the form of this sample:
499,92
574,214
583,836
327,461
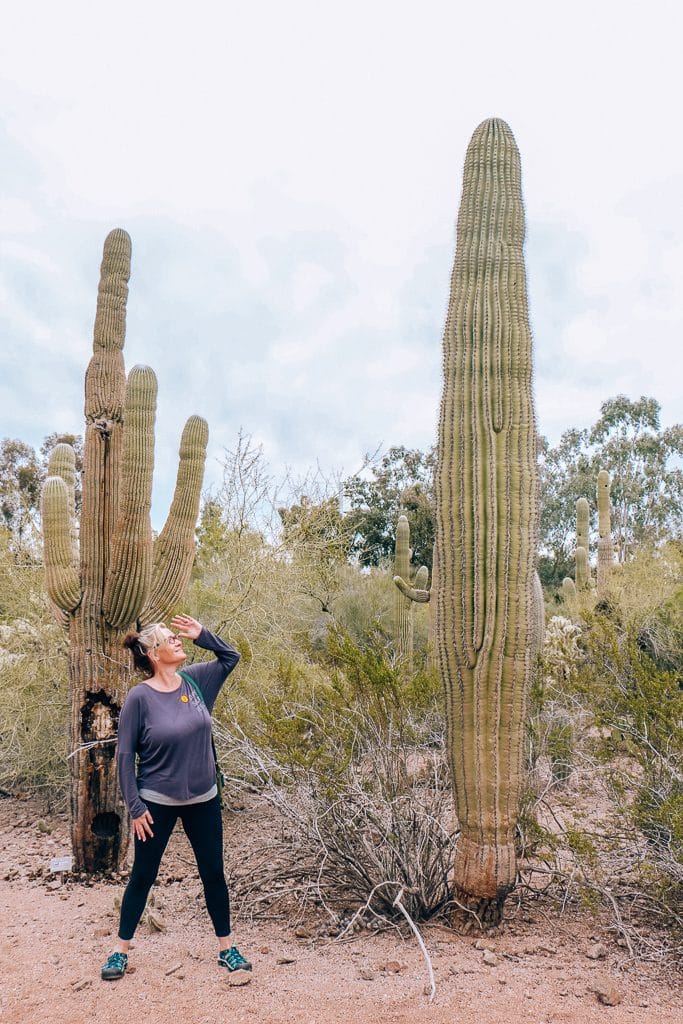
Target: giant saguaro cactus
114,576
486,520
605,546
582,541
403,606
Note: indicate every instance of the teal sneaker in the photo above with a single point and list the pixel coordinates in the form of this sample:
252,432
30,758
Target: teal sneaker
233,960
115,967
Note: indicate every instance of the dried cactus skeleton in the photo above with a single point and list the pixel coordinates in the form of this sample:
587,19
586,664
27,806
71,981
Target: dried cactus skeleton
114,576
486,518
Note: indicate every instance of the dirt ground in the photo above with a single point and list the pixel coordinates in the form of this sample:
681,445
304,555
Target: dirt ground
56,934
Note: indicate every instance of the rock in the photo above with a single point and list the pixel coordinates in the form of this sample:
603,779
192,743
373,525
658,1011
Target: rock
490,958
452,969
83,983
607,992
392,967
101,933
172,970
156,923
366,974
302,933
43,826
528,994
238,978
501,979
53,886
264,950
596,952
282,960
131,970
482,944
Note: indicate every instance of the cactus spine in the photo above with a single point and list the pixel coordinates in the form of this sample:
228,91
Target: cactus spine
109,583
605,547
486,519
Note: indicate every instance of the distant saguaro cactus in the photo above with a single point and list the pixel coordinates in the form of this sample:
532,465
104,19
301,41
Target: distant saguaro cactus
115,577
568,590
403,606
486,521
605,546
582,542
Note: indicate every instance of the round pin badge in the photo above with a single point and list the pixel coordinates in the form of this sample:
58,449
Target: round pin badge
184,698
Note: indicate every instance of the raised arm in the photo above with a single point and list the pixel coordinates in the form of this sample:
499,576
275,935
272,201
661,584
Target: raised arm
208,675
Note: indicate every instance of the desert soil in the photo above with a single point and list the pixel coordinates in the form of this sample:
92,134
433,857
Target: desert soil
56,934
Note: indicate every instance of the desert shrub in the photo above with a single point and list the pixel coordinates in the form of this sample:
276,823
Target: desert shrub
33,684
356,765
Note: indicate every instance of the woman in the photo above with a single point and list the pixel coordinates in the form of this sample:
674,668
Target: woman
165,723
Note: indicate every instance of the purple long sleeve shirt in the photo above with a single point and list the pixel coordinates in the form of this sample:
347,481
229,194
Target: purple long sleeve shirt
171,732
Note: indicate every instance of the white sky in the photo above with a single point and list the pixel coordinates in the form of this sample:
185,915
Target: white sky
290,175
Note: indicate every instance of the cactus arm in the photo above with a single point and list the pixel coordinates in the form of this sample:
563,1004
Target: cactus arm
62,578
421,578
421,596
130,568
174,548
105,384
605,546
582,571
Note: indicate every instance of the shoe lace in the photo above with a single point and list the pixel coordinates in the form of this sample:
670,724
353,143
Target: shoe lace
233,957
117,960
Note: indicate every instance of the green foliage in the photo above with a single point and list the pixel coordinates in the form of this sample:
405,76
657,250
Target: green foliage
646,481
354,759
402,482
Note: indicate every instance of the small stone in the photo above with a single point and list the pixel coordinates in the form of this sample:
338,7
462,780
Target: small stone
282,960
172,970
264,950
596,952
622,943
528,994
502,980
607,992
83,983
238,978
452,969
490,958
392,967
53,886
302,933
366,974
482,944
43,826
131,970
156,923
101,933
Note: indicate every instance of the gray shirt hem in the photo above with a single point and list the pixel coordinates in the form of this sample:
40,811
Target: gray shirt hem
169,801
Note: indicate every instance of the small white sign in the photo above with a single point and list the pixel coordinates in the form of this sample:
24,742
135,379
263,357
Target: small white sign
61,864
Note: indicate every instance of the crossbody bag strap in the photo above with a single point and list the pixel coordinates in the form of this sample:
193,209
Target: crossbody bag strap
219,774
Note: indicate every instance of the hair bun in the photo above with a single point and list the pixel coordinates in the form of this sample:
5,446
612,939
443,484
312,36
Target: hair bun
131,639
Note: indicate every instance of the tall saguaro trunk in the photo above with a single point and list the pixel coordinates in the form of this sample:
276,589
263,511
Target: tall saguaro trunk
112,580
487,595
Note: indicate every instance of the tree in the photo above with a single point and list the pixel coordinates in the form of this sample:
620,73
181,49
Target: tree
402,482
20,482
646,484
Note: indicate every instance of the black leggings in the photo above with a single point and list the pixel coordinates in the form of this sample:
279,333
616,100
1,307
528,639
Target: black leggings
203,826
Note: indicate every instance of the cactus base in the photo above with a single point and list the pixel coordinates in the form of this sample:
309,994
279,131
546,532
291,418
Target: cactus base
483,876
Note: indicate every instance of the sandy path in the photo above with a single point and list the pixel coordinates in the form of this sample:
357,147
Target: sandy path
54,941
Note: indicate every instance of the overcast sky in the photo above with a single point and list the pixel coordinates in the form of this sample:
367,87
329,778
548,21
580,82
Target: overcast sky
290,174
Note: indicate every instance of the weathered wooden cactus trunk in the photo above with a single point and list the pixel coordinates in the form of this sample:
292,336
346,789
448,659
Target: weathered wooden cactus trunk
112,577
486,520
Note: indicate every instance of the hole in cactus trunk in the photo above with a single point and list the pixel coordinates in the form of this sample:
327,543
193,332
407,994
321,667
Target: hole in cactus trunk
106,825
